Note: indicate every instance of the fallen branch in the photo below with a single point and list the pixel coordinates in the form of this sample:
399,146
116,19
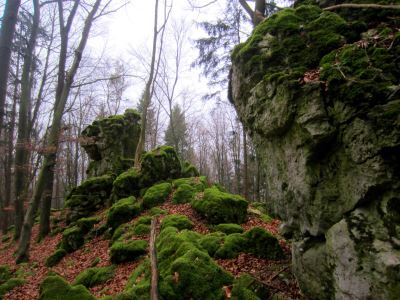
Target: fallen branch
153,259
276,274
373,6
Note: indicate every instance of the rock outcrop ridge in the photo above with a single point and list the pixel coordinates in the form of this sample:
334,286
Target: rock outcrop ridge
318,92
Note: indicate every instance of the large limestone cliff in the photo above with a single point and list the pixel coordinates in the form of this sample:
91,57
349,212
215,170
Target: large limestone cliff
318,92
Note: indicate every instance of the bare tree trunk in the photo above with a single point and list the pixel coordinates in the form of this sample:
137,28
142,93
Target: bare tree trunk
147,91
63,89
22,146
6,36
154,295
245,166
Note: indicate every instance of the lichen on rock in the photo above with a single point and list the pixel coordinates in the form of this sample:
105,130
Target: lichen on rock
328,143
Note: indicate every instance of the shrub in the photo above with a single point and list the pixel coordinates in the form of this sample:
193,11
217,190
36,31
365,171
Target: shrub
220,207
129,251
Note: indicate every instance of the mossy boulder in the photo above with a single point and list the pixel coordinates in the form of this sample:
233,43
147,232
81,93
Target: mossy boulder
247,287
122,211
229,228
219,207
263,244
94,276
189,170
111,142
156,194
232,245
126,184
183,194
9,285
186,269
160,164
212,242
72,239
138,286
178,221
55,287
87,198
56,257
87,224
127,251
198,183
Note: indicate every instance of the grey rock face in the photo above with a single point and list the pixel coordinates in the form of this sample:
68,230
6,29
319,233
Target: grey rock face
332,170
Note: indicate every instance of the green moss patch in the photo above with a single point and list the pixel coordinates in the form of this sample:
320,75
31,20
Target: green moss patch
212,242
86,224
183,194
5,273
156,194
248,288
178,221
219,207
189,170
122,211
127,251
55,258
160,164
54,287
9,285
126,184
94,276
263,244
89,197
229,228
138,286
233,245
72,239
198,183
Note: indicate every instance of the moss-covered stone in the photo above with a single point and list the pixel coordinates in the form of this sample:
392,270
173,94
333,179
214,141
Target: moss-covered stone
198,183
262,244
9,285
55,287
55,258
93,276
156,211
183,194
127,251
233,245
178,221
86,224
156,194
87,198
247,287
126,184
141,229
212,242
72,239
219,207
186,270
160,164
189,170
111,143
138,286
229,228
122,211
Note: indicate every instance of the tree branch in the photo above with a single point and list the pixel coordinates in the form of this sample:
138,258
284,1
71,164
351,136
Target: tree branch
247,8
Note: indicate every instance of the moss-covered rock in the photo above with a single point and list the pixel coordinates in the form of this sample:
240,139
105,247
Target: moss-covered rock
72,239
160,164
189,170
9,285
186,270
183,194
233,245
212,242
127,251
262,244
126,184
55,287
111,142
93,276
55,258
219,207
138,286
229,228
178,221
247,287
198,183
90,196
122,211
156,194
86,224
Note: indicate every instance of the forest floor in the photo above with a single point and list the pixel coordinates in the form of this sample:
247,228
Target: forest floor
276,274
